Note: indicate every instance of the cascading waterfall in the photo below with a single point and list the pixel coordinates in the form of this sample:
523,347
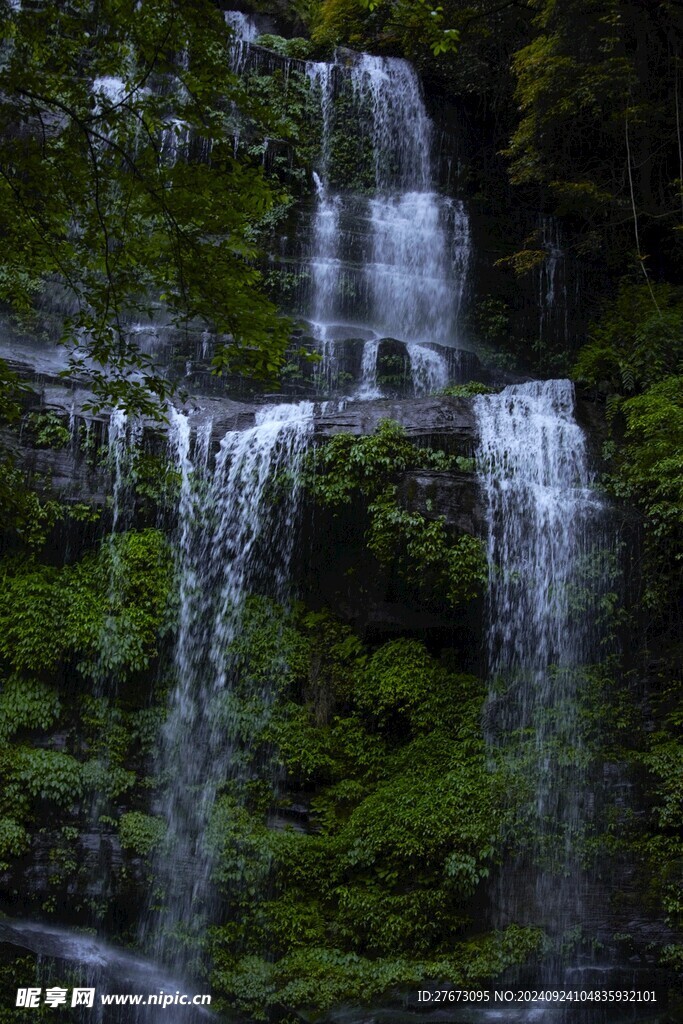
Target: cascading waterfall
368,388
399,128
325,269
553,304
123,440
244,33
544,550
325,264
395,263
428,369
407,277
390,265
233,539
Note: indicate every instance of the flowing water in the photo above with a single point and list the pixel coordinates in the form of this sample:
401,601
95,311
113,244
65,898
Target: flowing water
394,263
71,959
244,33
553,300
235,537
429,369
548,557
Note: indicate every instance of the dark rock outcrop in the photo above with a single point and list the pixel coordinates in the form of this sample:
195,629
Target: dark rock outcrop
443,421
455,496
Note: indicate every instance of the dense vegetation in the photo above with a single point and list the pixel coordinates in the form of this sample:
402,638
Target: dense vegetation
576,111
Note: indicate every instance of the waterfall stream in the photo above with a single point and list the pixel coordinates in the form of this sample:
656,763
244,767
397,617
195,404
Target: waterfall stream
546,554
234,538
394,263
534,472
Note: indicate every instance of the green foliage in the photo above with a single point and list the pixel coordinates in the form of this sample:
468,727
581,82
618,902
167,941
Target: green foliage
663,846
31,616
416,26
338,21
268,652
105,615
635,343
491,318
299,48
48,430
140,833
635,354
399,677
48,775
423,549
472,387
651,468
281,127
118,603
109,608
27,704
95,202
457,568
25,516
243,848
14,841
346,464
407,818
524,261
569,84
153,479
320,977
11,392
325,976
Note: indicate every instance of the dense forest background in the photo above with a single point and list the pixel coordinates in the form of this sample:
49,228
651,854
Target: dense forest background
565,114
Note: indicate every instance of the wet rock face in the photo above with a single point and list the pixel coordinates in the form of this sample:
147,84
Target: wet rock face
46,876
454,496
336,366
444,421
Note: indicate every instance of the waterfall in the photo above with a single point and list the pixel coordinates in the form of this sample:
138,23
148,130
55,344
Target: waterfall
399,128
322,78
428,368
123,441
394,263
116,455
234,537
367,388
407,276
244,33
553,308
325,267
242,25
544,555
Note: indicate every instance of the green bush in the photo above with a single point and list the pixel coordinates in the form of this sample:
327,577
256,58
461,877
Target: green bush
48,775
297,47
140,833
398,678
468,390
635,342
406,821
14,841
452,569
456,569
27,704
